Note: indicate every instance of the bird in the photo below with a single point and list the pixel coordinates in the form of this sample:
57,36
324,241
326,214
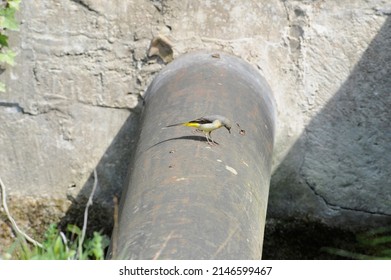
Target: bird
207,124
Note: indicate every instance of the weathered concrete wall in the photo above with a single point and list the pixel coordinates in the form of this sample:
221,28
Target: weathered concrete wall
73,98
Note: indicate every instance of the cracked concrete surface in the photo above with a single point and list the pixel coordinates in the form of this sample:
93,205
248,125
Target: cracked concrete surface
73,97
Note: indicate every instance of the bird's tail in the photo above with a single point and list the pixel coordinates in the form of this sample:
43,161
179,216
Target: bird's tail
190,124
176,124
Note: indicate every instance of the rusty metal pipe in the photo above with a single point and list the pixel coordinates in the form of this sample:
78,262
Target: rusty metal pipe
185,199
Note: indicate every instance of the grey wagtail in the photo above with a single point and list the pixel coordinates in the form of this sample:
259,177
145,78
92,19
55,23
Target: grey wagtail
207,124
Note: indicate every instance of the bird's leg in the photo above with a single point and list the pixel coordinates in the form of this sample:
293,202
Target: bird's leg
213,141
209,138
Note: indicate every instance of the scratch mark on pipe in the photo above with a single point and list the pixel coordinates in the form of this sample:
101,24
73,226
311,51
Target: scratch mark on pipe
230,235
157,255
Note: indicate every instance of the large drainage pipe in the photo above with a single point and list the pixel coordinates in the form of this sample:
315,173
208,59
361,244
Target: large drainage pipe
184,198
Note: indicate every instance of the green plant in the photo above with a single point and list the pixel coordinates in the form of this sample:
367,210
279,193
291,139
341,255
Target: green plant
8,9
58,246
372,245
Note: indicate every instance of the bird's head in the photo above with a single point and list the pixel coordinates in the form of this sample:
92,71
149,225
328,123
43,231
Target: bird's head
221,121
228,126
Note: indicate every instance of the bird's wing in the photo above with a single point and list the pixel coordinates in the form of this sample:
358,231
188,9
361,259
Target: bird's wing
203,120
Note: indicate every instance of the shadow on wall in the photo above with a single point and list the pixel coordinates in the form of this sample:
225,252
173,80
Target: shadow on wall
111,172
339,172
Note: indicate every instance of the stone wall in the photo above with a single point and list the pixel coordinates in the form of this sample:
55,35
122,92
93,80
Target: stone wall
74,96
